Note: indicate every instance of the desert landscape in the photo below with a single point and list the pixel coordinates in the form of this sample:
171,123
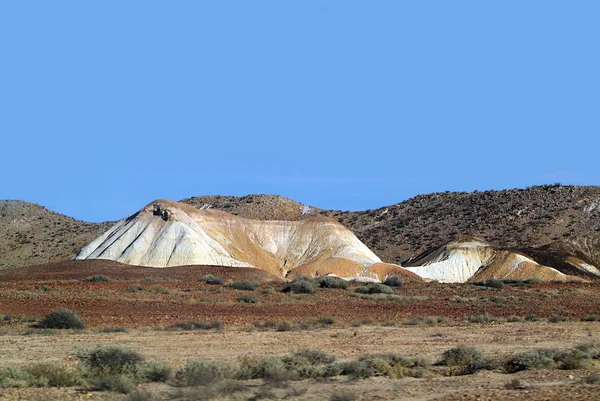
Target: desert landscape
450,296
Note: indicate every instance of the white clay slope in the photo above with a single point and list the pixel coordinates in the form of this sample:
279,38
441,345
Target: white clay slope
471,258
167,233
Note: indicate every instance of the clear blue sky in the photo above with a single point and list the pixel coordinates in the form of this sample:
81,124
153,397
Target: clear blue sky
107,105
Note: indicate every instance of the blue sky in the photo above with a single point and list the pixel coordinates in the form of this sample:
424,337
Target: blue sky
107,105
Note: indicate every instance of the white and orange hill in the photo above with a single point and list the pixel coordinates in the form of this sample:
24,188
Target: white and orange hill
167,233
473,259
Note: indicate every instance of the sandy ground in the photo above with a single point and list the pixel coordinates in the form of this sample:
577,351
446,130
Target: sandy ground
496,340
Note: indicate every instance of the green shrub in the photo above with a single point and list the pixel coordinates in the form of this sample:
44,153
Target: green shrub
97,278
52,375
210,279
158,289
61,319
300,286
514,318
326,321
245,285
467,359
492,283
109,359
557,319
572,359
135,288
357,370
196,325
156,371
196,373
394,281
590,318
332,282
315,357
592,351
14,376
270,368
118,383
532,318
249,299
485,318
374,289
535,359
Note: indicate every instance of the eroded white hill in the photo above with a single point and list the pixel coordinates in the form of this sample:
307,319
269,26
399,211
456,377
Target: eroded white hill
473,259
166,233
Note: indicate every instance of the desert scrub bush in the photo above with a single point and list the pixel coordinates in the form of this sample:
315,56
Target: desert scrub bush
117,383
332,282
61,319
485,318
300,285
591,351
514,318
308,357
357,370
244,285
271,369
534,359
156,371
491,283
394,366
135,288
248,299
557,319
210,279
325,321
158,289
52,375
196,325
108,360
97,278
466,360
419,320
374,289
590,318
201,373
14,376
572,359
394,281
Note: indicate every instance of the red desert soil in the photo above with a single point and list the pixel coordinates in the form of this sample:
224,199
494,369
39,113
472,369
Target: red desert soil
140,296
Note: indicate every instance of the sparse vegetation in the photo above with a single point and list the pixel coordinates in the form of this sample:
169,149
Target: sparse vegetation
394,281
244,285
332,282
374,289
62,319
210,279
97,278
196,325
300,285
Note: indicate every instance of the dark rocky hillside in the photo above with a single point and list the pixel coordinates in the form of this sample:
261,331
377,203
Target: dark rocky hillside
31,234
509,218
520,218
